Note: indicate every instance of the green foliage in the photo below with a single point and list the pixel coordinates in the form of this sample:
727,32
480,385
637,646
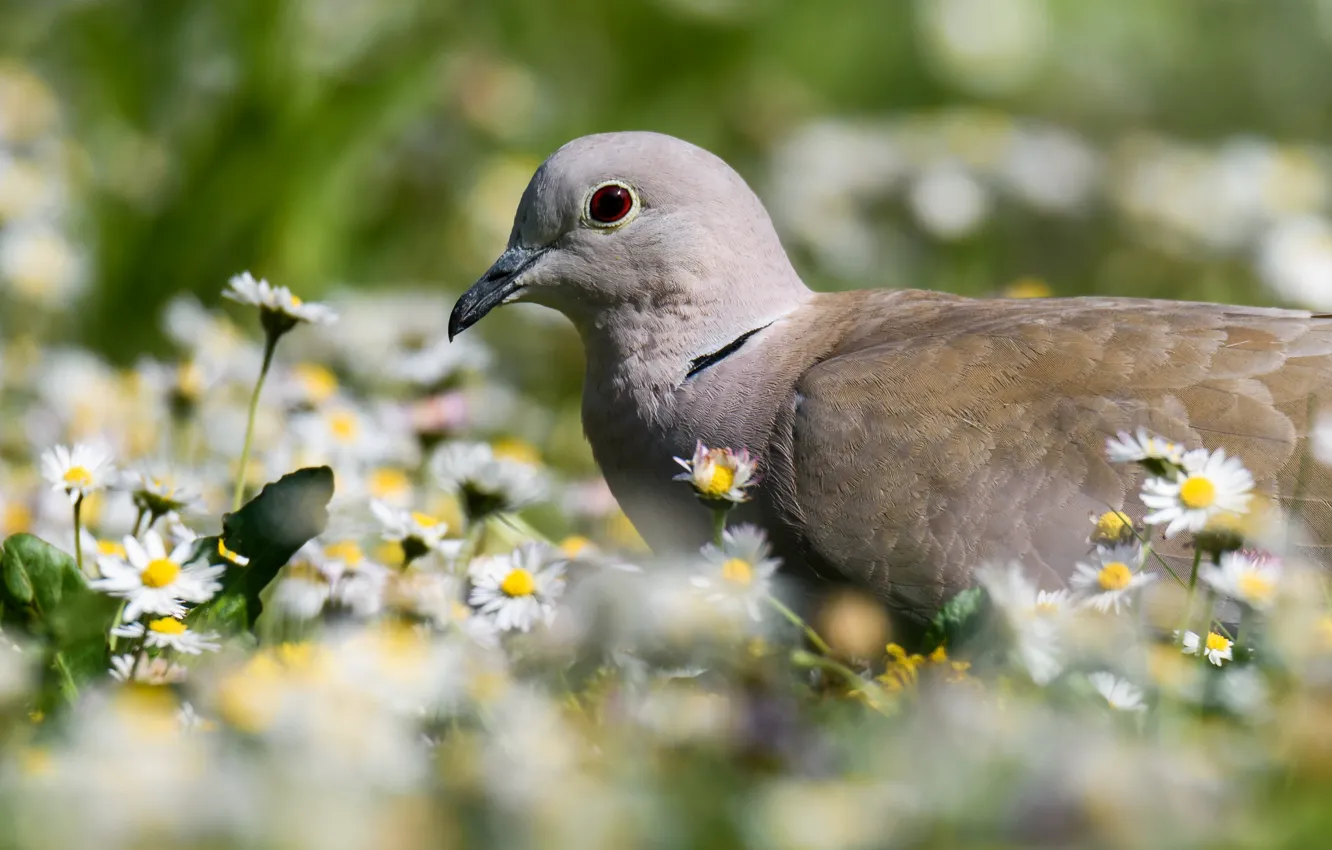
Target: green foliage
960,620
46,599
268,530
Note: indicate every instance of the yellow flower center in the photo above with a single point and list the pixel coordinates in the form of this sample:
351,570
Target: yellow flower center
167,626
1197,492
78,476
518,582
343,426
1323,630
386,483
110,547
1256,587
296,301
189,379
737,570
160,572
519,450
1111,524
346,551
317,381
1217,643
718,482
574,545
1114,576
16,517
424,520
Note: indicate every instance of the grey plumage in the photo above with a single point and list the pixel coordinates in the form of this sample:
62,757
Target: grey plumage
904,437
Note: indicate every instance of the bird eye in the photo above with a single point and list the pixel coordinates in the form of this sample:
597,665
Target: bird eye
610,203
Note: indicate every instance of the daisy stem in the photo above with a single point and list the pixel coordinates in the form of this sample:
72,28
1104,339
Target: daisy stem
78,534
873,694
1193,586
794,619
270,345
718,525
112,640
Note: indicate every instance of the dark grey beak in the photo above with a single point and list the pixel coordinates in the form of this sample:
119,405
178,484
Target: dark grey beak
495,287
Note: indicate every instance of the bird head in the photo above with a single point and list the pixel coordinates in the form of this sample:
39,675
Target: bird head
636,224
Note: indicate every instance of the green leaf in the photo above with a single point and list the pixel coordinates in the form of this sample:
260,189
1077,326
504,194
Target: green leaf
35,570
959,619
268,530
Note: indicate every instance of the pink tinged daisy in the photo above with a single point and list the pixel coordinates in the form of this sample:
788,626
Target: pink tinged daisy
1249,579
169,633
79,470
719,475
517,590
153,581
1110,579
1207,485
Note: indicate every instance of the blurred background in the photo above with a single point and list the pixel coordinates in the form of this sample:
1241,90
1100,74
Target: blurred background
1127,147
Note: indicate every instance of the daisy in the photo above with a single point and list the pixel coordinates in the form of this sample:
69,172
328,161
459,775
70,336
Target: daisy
1217,649
303,591
1321,439
1110,580
79,471
279,310
719,475
416,532
1145,448
518,589
151,581
146,671
740,571
1112,528
156,492
485,482
1120,694
1033,618
1207,484
169,633
1245,578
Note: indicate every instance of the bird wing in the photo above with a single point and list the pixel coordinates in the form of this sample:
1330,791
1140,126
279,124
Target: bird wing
959,431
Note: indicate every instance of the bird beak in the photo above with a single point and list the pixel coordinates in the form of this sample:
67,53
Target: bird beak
497,286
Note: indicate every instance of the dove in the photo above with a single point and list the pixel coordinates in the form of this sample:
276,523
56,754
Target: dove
904,437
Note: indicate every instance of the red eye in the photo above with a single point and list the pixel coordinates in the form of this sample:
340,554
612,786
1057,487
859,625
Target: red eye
610,203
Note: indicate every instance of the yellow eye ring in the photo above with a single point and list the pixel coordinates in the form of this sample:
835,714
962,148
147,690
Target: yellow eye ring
610,204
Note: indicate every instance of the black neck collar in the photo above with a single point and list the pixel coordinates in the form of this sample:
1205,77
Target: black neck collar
703,361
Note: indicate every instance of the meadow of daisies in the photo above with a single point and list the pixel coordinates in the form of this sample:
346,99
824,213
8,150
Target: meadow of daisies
276,592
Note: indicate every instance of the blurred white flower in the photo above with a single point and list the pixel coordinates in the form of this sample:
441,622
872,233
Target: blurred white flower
1245,578
146,671
1321,439
1120,694
435,363
948,201
1295,259
1033,618
485,482
1143,446
1208,485
79,471
418,533
518,590
739,572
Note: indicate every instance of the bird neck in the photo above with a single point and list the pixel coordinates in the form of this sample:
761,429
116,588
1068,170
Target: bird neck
640,355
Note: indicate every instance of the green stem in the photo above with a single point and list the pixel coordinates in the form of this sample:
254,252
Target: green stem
270,345
78,534
794,619
112,640
874,694
718,525
1193,586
